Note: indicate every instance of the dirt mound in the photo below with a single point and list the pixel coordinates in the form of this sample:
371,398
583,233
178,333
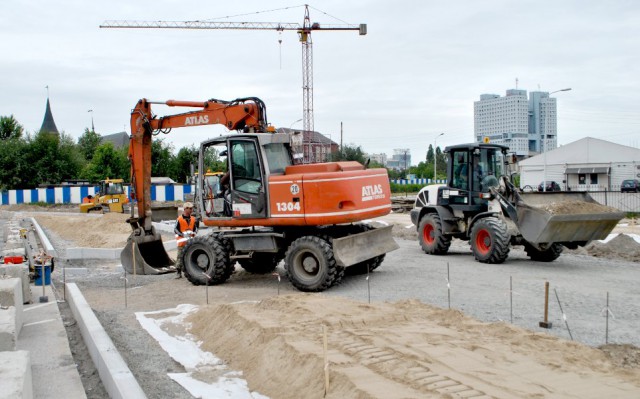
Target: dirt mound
95,231
620,247
398,350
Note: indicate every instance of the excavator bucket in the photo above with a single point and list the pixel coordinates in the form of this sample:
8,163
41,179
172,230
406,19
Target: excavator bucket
564,218
145,254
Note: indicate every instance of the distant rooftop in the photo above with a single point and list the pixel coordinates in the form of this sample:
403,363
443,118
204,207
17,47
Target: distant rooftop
118,140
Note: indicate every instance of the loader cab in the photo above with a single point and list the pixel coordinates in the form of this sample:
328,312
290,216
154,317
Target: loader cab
471,170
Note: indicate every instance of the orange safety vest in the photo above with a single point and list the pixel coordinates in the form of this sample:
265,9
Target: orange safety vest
184,227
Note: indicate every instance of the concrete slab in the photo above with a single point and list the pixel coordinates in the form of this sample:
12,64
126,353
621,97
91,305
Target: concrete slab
15,375
11,296
20,271
54,371
44,240
8,335
114,372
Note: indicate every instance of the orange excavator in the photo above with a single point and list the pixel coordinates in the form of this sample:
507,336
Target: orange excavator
310,215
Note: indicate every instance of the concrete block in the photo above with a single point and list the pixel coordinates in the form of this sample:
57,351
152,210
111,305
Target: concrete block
14,252
21,272
15,375
8,333
11,296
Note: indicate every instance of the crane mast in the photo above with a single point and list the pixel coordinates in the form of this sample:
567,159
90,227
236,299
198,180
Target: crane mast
304,34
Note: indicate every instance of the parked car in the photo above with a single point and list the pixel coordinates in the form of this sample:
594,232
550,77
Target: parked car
630,186
551,186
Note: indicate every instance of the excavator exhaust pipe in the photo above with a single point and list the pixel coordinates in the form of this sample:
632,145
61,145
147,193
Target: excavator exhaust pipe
145,254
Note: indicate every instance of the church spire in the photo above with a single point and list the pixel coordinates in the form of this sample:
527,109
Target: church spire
48,124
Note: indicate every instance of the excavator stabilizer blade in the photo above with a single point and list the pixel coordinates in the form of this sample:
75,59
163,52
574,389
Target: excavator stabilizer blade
356,248
146,255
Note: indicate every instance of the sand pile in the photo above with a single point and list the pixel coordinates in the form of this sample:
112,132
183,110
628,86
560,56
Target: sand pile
622,247
398,350
577,208
96,231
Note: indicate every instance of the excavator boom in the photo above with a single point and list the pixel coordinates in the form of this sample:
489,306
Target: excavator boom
249,115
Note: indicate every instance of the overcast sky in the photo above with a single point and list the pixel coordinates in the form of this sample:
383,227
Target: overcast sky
415,74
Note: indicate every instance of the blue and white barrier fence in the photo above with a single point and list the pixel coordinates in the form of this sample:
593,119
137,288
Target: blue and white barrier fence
417,181
75,194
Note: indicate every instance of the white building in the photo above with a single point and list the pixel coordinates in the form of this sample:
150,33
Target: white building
523,124
588,164
400,160
380,158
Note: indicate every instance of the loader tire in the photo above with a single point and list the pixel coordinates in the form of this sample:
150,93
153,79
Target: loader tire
490,240
430,236
310,264
260,263
549,255
206,260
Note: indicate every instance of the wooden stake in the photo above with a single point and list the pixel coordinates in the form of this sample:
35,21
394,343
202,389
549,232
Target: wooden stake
546,323
326,361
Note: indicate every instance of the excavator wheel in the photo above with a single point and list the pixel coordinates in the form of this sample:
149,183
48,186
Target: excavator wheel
206,260
430,236
549,255
490,240
310,264
261,262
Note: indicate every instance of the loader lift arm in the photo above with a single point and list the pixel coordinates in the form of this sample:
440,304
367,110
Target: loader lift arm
248,115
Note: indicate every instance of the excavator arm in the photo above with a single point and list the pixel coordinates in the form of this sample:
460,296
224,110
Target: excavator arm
244,114
144,252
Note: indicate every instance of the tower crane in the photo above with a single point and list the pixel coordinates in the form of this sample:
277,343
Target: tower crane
304,35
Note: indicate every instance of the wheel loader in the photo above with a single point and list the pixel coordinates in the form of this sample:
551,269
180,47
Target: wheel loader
265,208
110,197
481,205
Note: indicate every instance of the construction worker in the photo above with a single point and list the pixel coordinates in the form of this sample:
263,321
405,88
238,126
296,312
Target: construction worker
186,227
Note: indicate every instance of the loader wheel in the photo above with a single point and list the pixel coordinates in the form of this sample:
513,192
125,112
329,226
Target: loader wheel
490,240
260,263
548,255
430,236
310,264
206,255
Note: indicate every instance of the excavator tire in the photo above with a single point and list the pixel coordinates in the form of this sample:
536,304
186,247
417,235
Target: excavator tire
430,236
490,240
549,255
261,263
310,264
206,260
361,268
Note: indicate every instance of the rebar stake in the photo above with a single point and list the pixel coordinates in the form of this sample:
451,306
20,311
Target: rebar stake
546,323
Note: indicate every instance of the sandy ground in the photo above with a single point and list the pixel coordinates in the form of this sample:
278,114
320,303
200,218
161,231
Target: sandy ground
382,350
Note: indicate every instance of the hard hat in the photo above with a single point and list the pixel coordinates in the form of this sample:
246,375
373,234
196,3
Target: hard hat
187,205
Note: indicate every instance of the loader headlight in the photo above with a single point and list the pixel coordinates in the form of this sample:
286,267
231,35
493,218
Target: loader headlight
485,195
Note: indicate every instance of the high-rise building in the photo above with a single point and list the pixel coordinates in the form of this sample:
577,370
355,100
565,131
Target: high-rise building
525,125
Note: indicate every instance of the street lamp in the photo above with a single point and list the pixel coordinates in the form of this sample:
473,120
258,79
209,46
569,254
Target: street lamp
92,128
435,157
543,147
299,120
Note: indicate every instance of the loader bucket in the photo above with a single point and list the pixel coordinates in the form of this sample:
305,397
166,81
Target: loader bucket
145,254
564,218
356,248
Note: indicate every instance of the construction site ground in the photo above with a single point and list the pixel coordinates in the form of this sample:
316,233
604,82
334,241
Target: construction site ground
389,336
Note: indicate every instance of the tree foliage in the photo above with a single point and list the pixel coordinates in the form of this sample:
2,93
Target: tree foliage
107,162
88,143
10,128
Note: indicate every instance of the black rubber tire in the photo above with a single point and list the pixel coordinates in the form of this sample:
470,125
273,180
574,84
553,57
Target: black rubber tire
430,236
260,263
549,255
310,264
361,268
490,240
206,254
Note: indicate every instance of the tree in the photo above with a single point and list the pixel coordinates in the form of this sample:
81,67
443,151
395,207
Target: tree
350,152
186,157
10,128
107,162
50,158
13,164
161,159
88,143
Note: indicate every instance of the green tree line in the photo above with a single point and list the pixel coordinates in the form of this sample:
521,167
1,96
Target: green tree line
30,160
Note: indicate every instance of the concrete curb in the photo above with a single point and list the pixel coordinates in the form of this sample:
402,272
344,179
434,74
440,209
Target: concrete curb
44,240
114,372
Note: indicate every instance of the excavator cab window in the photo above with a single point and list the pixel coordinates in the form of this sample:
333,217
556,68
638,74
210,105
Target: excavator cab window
278,157
245,167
